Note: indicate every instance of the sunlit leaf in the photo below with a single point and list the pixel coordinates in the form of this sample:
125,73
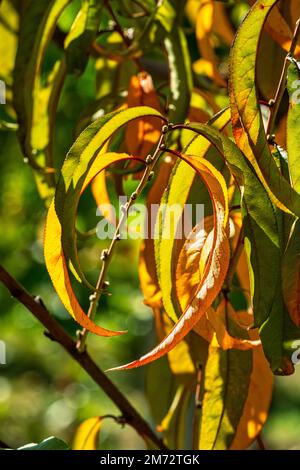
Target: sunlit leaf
181,82
141,135
291,274
280,30
75,168
182,182
204,25
219,320
237,387
87,434
293,132
37,26
82,34
246,115
215,270
264,251
55,258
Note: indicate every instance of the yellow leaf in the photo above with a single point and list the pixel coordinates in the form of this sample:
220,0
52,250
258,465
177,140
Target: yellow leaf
147,269
86,437
204,29
55,259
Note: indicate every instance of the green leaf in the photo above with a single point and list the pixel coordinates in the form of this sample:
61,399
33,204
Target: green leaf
170,411
82,34
226,382
181,82
293,128
51,443
76,165
246,115
291,274
37,26
35,103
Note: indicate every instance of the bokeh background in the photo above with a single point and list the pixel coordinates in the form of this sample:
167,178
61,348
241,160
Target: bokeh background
43,392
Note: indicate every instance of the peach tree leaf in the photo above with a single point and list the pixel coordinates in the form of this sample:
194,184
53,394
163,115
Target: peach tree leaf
293,132
75,168
247,120
215,270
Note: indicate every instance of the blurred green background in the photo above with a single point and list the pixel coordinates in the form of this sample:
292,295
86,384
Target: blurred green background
43,392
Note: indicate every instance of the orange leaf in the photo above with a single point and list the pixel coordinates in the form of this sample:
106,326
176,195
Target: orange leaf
141,135
280,31
215,270
258,401
189,273
218,320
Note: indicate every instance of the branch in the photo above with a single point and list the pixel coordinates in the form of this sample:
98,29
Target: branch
56,332
260,442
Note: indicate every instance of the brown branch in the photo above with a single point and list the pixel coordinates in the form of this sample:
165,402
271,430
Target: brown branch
56,332
260,442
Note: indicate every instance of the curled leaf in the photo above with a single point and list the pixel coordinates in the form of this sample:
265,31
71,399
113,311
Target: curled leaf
55,258
215,270
219,319
76,166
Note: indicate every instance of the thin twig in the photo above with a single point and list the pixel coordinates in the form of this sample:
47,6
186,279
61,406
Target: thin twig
119,29
107,254
57,333
275,103
197,412
260,442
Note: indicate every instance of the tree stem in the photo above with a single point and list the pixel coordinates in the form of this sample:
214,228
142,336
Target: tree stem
57,333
